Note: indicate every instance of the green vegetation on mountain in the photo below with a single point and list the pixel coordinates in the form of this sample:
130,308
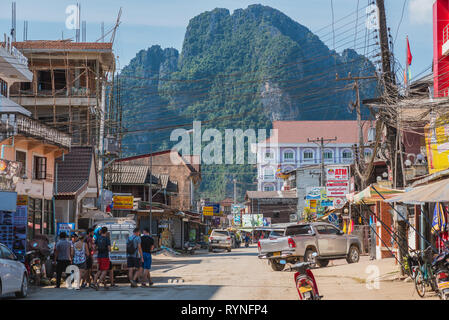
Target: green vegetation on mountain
236,71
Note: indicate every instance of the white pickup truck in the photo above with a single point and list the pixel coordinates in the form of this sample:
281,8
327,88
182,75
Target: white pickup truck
295,241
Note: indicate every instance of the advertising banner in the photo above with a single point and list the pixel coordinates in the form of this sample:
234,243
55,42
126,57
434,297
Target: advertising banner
123,202
252,220
437,145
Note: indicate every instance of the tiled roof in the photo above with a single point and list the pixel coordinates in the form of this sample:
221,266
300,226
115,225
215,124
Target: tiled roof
291,194
74,171
62,45
346,131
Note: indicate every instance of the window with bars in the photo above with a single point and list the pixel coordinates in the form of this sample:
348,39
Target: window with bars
288,156
40,168
34,217
48,218
328,155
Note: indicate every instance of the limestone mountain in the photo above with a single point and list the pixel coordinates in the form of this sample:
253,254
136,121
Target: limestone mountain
240,70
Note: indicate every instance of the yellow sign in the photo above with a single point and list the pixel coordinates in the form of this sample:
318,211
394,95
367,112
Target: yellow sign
123,202
208,211
437,145
22,200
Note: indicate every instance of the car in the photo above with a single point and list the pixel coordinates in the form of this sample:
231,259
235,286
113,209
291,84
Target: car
220,239
296,241
13,274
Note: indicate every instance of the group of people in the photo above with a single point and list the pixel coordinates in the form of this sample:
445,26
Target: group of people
81,249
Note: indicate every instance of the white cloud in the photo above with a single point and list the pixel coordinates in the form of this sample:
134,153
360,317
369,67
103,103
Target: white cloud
420,11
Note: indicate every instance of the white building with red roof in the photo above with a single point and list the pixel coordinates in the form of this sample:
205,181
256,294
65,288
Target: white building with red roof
289,148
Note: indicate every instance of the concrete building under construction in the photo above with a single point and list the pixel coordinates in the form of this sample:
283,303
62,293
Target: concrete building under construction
68,89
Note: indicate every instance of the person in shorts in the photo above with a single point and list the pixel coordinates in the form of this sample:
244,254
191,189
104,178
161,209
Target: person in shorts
147,243
80,255
134,257
103,247
89,259
111,270
63,256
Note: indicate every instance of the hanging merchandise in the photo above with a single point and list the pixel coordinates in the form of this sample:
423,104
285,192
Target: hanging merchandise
344,226
350,226
439,219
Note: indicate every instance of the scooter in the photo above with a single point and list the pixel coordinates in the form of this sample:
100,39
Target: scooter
190,247
441,271
305,281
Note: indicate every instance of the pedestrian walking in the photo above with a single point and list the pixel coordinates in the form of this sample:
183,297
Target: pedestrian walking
63,256
111,270
147,247
80,256
134,257
89,259
103,247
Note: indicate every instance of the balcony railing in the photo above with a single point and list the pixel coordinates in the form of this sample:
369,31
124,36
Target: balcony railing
14,123
14,52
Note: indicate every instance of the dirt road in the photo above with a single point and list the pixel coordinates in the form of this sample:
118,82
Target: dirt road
240,275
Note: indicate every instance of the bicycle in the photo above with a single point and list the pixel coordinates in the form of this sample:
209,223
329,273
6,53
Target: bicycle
424,276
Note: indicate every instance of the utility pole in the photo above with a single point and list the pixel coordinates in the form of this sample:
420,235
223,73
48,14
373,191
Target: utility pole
356,88
391,94
320,142
393,133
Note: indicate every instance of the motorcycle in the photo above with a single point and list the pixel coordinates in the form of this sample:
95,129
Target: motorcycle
246,244
441,271
38,260
190,247
305,281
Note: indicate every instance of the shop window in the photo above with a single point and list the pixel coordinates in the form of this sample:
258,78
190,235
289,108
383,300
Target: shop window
48,218
22,158
40,168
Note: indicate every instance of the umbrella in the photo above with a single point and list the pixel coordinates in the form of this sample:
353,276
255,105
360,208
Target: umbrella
435,192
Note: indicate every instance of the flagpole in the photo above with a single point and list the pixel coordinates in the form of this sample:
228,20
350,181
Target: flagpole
406,67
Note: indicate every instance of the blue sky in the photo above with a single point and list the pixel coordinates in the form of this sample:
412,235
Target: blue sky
163,22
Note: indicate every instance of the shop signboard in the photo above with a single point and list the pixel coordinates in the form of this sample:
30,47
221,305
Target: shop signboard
252,220
68,228
338,181
211,209
122,202
237,219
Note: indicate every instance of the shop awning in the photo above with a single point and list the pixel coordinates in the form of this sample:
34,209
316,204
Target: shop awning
371,195
434,192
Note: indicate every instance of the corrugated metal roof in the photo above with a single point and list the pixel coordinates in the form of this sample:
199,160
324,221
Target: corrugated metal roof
434,192
123,174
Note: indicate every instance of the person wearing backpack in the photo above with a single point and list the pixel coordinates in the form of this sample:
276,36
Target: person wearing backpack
134,257
103,247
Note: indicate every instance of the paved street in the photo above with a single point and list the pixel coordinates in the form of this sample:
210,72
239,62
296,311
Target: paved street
240,275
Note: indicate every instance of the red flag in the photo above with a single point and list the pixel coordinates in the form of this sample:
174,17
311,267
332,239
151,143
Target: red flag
409,54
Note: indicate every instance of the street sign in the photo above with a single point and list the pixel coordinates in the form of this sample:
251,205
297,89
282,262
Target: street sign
123,202
333,219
